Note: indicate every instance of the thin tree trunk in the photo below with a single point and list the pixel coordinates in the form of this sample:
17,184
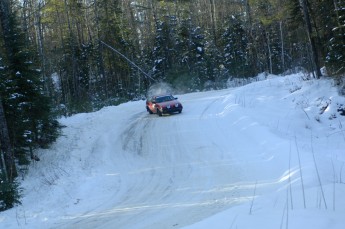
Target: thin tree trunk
339,23
64,81
3,164
40,44
71,43
213,20
5,147
251,40
102,71
5,143
311,38
5,24
269,52
282,45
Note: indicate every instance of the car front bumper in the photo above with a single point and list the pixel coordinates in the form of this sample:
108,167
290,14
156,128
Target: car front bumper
174,109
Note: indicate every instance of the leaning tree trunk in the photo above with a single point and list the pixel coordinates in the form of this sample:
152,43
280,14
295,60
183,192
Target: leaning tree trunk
5,144
311,38
5,25
6,152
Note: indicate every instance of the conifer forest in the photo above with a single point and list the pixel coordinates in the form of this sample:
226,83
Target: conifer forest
62,57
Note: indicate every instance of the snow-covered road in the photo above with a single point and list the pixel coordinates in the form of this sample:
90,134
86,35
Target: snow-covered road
172,171
123,168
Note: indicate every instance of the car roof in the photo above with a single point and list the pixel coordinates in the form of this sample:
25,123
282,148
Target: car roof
163,95
157,96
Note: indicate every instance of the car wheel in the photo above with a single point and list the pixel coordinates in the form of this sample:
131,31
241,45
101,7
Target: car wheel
148,110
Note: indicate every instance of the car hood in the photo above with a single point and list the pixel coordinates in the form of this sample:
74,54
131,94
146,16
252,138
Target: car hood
171,103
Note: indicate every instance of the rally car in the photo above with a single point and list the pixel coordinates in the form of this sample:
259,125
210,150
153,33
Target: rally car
163,104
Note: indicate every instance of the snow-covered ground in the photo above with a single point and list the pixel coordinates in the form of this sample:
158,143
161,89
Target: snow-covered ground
266,155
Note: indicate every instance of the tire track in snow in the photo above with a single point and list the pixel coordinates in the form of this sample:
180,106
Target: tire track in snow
172,173
217,99
133,136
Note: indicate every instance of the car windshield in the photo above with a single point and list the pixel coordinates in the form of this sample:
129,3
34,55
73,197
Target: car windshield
164,98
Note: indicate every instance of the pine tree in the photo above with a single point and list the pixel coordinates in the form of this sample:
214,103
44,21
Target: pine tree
195,57
235,49
335,59
164,52
27,109
5,143
9,193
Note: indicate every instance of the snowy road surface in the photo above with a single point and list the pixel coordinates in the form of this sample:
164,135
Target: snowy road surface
174,170
123,168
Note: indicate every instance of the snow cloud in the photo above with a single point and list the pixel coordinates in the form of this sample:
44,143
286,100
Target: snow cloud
160,88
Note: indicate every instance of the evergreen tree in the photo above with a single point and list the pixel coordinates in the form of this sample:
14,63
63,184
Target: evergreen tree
180,74
6,154
115,81
164,51
335,59
235,49
9,193
195,57
159,51
27,109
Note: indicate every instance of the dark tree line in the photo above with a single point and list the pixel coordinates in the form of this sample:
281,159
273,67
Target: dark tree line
26,121
191,44
55,57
